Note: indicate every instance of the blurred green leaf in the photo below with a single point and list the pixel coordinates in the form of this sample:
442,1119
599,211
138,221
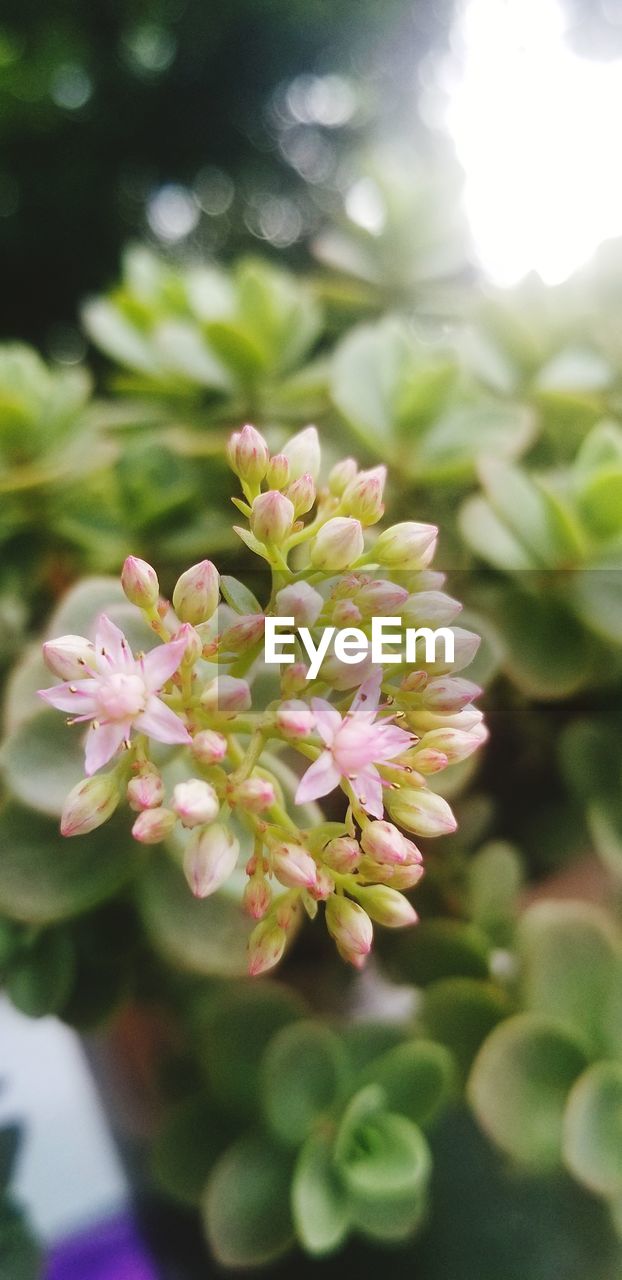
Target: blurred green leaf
303,1074
593,1129
460,1013
40,980
246,1204
190,1140
203,935
417,1078
235,1030
319,1201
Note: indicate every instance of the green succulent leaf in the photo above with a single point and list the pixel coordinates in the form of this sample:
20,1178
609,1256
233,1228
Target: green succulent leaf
592,1143
246,1204
418,1078
190,1140
459,1013
39,982
41,762
494,881
234,1032
440,948
203,935
385,1169
303,1075
238,596
319,1201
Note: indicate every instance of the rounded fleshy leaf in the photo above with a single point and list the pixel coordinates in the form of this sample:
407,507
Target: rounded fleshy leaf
592,1143
246,1204
303,1073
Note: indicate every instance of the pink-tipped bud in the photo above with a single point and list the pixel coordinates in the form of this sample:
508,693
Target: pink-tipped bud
466,644
226,696
301,602
430,608
346,614
195,597
277,475
303,454
209,747
145,791
454,743
324,885
195,802
387,907
338,544
380,599
406,877
342,854
449,694
89,804
302,494
255,795
363,495
265,946
341,475
415,682
243,635
248,455
345,675
70,657
384,843
140,583
210,859
351,928
295,719
410,545
154,825
421,811
293,678
294,867
426,760
193,644
257,897
272,517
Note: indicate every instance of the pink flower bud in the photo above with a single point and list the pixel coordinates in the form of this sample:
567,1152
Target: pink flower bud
226,696
380,599
421,811
255,795
70,657
384,843
430,608
210,859
272,516
466,644
242,635
302,494
140,583
145,791
340,476
195,597
277,474
407,546
324,885
427,760
337,544
89,804
363,495
294,867
351,928
449,694
454,743
193,643
301,602
295,719
346,614
415,682
342,675
387,907
303,454
342,854
209,747
406,877
248,455
154,825
265,946
195,802
293,678
257,897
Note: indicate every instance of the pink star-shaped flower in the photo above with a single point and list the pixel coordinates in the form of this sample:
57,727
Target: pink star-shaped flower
354,745
118,694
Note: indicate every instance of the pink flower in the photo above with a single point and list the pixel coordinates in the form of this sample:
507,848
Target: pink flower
119,695
354,745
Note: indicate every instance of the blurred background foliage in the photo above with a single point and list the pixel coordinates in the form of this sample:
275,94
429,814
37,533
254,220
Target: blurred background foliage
287,264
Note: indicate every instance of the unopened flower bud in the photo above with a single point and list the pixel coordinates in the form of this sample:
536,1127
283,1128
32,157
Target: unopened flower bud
340,476
89,804
265,946
257,897
209,747
302,494
363,495
145,791
303,454
407,546
449,694
255,794
346,614
466,644
379,599
248,455
383,842
430,608
345,675
414,682
337,544
193,643
293,679
140,583
387,907
351,928
342,854
210,859
421,811
324,885
301,602
195,802
154,825
195,597
455,744
272,516
295,718
293,866
277,474
226,696
427,760
70,657
407,876
242,635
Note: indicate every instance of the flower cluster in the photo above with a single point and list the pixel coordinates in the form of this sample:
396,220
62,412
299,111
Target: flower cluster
373,735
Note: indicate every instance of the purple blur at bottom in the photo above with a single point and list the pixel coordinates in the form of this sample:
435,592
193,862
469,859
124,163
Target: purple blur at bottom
110,1251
